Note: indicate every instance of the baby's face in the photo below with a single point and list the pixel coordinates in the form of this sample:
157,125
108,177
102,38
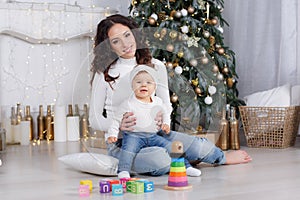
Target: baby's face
143,86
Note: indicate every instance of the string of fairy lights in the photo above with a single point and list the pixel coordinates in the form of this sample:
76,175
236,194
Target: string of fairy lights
39,39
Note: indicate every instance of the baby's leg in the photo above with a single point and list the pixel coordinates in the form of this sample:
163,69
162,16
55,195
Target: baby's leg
130,147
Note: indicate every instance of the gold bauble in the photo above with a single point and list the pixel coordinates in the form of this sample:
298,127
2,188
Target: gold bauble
170,47
215,69
174,98
175,64
191,9
156,34
214,21
178,14
173,34
230,82
169,65
180,54
225,70
198,90
172,13
200,129
212,40
221,50
151,21
195,82
204,60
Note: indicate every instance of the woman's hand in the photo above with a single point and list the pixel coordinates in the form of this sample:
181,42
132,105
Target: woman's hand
127,122
111,139
159,120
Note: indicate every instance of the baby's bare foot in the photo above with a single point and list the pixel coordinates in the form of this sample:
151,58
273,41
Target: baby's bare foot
237,157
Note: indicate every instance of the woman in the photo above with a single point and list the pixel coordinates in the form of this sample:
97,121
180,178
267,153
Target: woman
118,48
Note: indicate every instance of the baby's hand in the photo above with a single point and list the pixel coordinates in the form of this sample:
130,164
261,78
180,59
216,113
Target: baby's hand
165,128
111,139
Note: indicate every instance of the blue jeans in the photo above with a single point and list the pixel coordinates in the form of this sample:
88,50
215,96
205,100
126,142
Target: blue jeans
156,161
132,143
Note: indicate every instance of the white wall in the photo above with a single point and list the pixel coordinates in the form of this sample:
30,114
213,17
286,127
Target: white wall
45,52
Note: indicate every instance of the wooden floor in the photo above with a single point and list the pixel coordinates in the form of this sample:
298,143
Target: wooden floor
34,172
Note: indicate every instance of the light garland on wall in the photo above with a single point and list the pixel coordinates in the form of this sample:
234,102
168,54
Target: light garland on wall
50,43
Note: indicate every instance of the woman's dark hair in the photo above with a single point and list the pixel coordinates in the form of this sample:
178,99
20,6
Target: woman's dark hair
104,57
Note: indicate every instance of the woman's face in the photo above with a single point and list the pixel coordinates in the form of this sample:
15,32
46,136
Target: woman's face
122,41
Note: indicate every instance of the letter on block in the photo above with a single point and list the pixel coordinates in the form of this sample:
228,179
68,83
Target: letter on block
104,187
87,182
137,187
117,190
148,186
129,186
123,181
84,190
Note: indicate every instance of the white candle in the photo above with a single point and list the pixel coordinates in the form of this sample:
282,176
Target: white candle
60,124
73,128
24,132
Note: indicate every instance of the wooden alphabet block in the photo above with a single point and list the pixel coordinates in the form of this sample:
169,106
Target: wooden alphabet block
113,182
117,190
87,182
137,187
84,190
104,187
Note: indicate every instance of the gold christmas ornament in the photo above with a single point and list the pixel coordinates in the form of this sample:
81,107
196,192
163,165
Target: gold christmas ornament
198,90
221,50
230,82
212,40
170,47
151,21
156,34
204,60
178,14
172,13
180,54
214,21
173,34
191,9
195,82
200,129
220,77
174,98
225,70
169,65
175,64
215,69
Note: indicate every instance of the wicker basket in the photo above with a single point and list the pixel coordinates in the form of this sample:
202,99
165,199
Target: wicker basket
270,127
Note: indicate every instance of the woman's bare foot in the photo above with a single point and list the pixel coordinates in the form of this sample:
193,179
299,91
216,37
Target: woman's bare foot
237,157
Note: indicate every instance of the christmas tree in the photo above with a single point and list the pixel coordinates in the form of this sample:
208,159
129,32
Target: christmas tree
187,35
